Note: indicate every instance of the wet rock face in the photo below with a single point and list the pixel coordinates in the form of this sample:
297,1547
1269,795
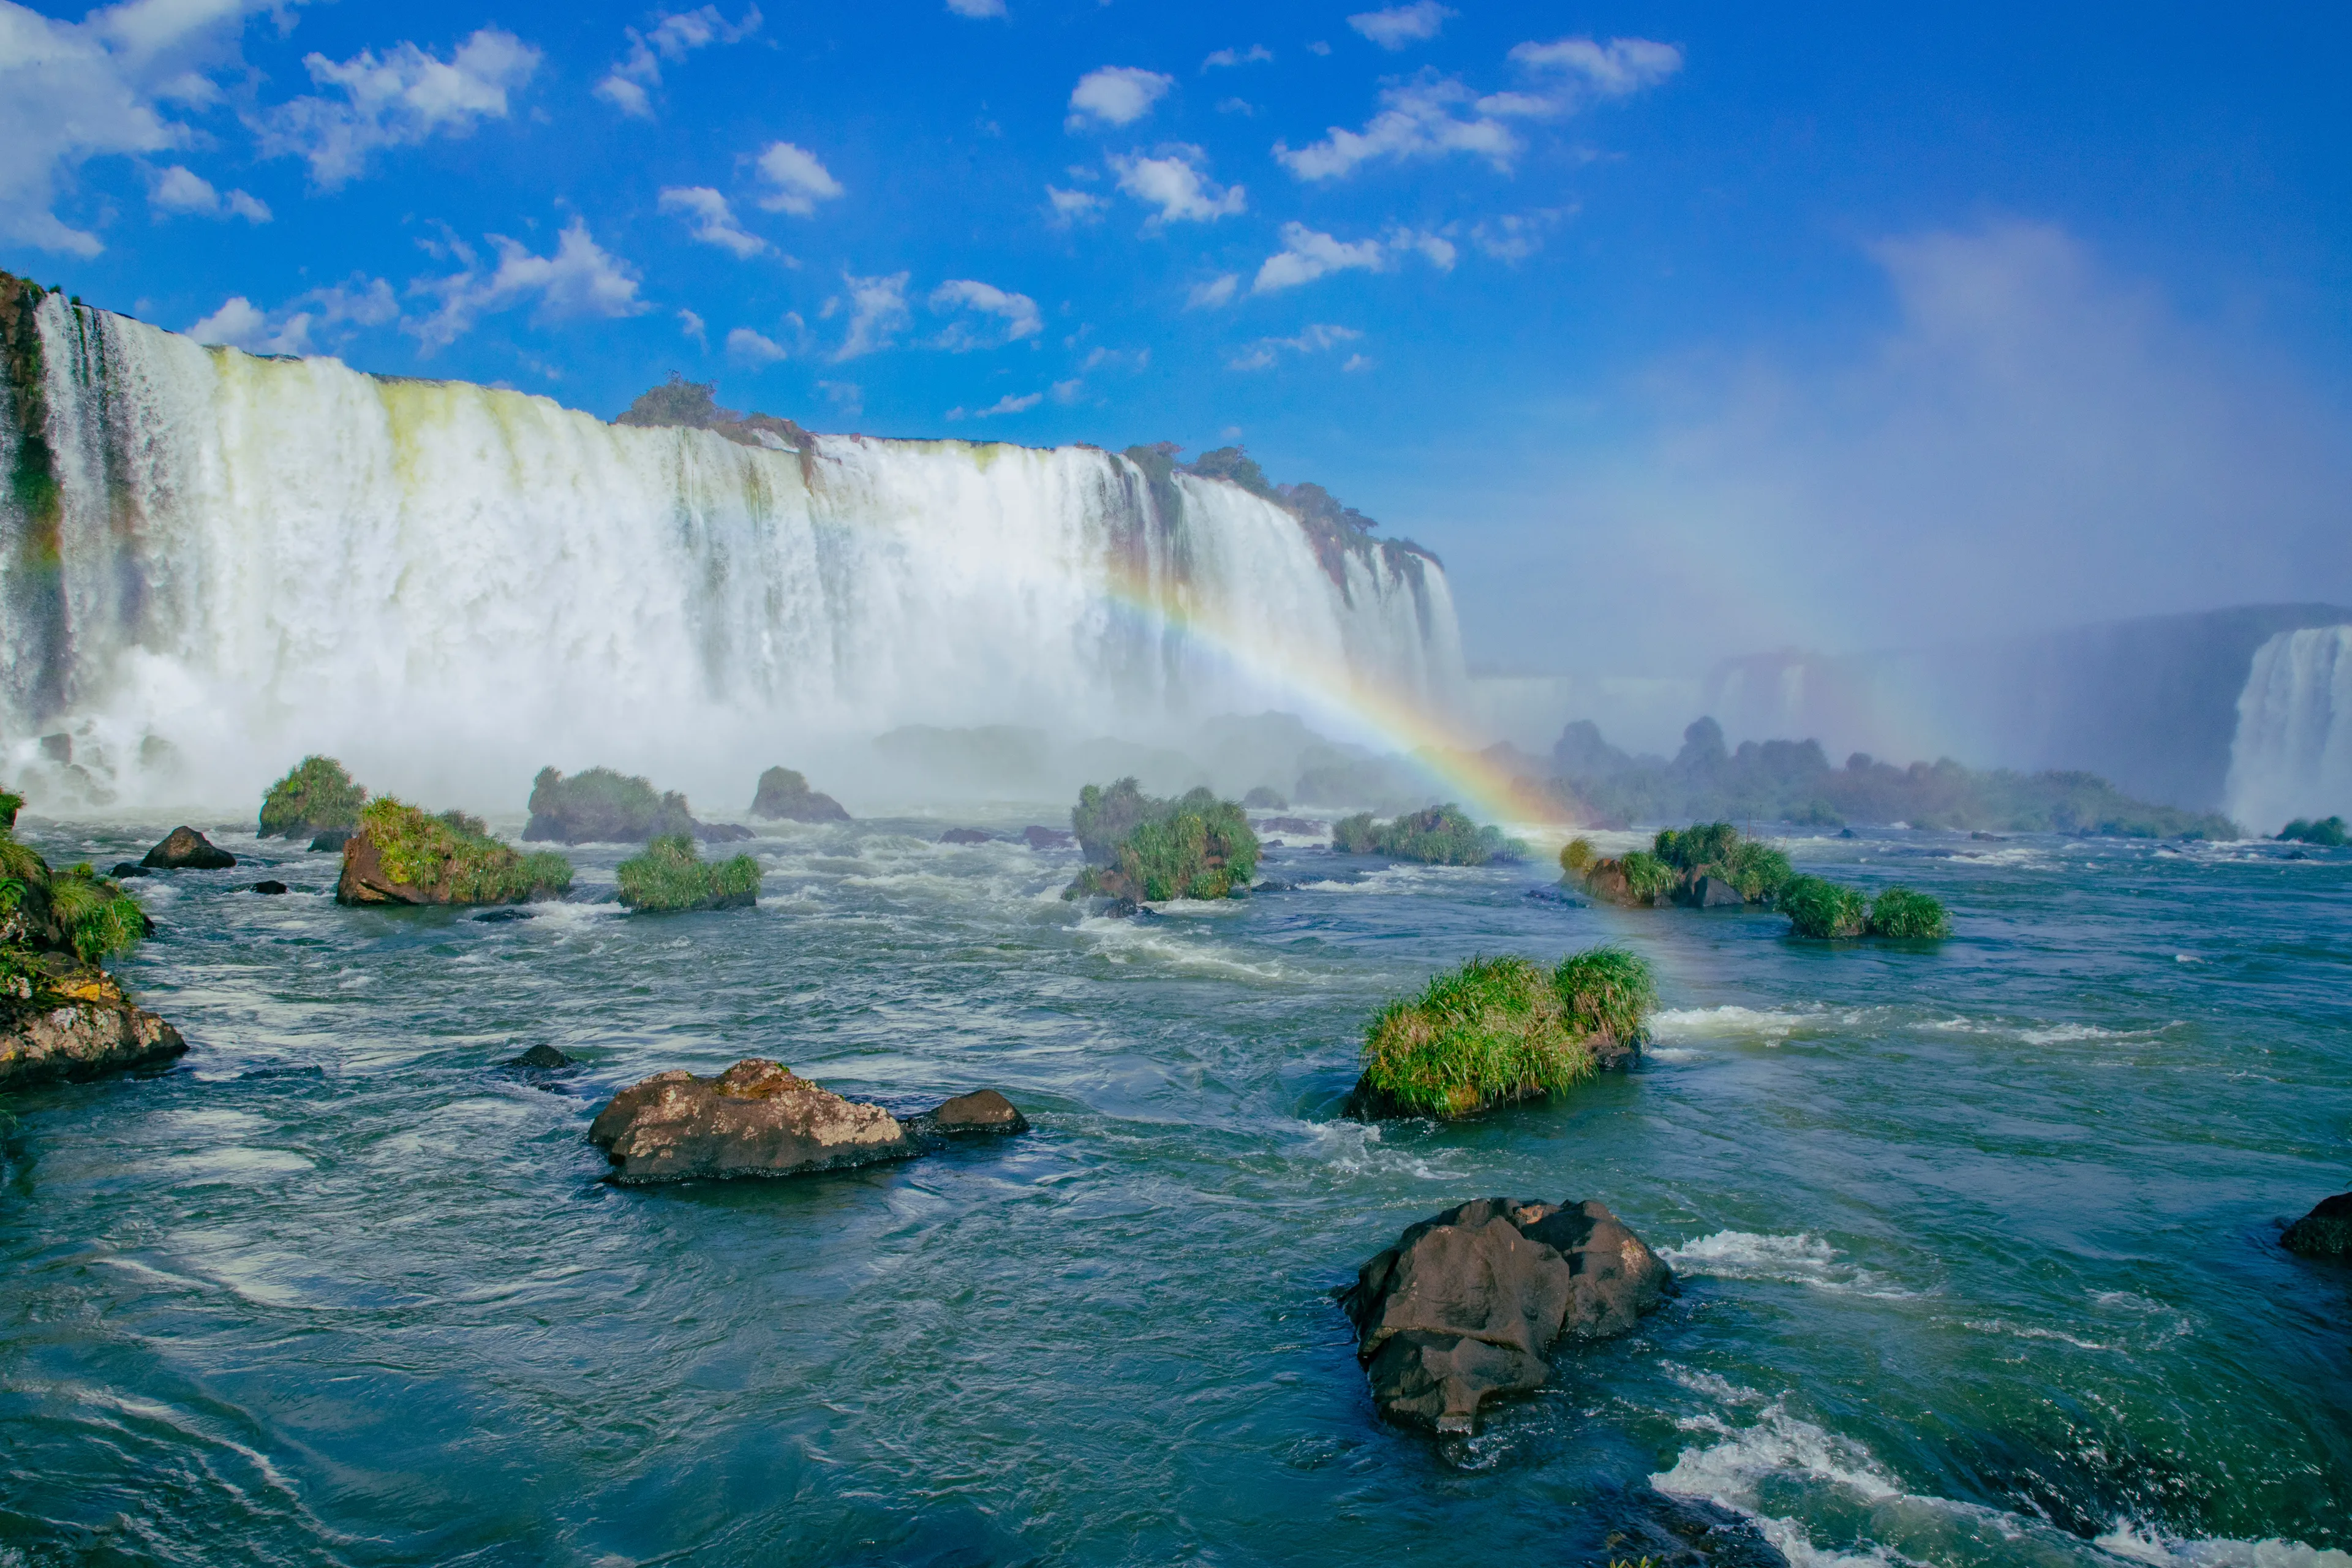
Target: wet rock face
965,835
1465,1305
2325,1232
981,1112
185,849
785,794
96,1031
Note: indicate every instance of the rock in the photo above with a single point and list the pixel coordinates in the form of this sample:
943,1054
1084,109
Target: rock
1465,1305
185,849
500,917
753,1120
1290,825
1274,885
1714,893
331,841
965,835
91,1030
984,1110
269,888
1646,1525
1048,838
541,1059
1845,833
784,795
128,869
2325,1232
1606,881
722,832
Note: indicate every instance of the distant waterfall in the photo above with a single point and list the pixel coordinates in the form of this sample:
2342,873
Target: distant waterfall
211,563
2293,754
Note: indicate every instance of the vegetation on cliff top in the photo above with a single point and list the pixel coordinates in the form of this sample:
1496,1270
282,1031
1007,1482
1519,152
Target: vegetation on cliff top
1144,850
603,806
672,875
679,403
1436,835
1332,529
1502,1029
316,795
453,857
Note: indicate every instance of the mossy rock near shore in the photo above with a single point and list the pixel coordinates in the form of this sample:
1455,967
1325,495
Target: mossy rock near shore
401,855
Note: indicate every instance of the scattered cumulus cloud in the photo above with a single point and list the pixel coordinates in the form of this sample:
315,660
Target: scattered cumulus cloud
1307,255
1216,292
1434,248
296,328
1117,359
797,181
878,310
1009,404
1017,312
178,190
1515,236
848,398
693,327
1114,95
1074,207
1173,182
581,279
628,87
1265,353
1258,55
710,219
399,99
1399,25
1356,362
1618,68
1318,47
746,347
1236,105
978,10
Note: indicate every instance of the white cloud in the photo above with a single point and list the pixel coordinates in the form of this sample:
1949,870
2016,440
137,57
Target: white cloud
1236,105
693,327
1398,26
1258,55
799,181
1114,95
675,37
712,220
106,86
1418,122
1356,362
1174,184
1436,249
1067,391
877,308
848,398
745,347
1018,311
1307,255
977,9
1216,292
1009,404
1074,207
1117,359
1615,69
1515,236
1266,352
359,301
580,279
398,100
181,190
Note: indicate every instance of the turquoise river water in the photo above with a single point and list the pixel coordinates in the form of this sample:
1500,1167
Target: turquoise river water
1978,1240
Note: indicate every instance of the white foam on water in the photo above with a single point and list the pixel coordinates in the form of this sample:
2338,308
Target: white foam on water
2128,1541
1357,1148
1770,1025
1128,941
1790,1259
1397,878
2017,1331
2068,1034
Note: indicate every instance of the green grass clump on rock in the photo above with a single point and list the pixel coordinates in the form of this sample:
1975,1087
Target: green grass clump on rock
1146,851
93,915
1576,857
317,796
1904,915
1819,908
603,806
1501,1029
2328,832
1435,836
421,850
1717,849
74,910
670,875
1647,878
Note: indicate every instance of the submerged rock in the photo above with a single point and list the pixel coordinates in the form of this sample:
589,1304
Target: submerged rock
722,832
185,849
539,1058
965,835
757,1118
2325,1232
1048,838
332,841
128,869
83,1027
1466,1304
784,795
1646,1525
269,888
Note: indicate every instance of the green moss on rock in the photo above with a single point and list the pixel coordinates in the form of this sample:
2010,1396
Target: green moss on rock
316,796
603,806
1435,836
404,855
1141,850
671,875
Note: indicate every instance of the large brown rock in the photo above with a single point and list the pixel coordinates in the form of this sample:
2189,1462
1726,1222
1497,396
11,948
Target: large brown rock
785,793
2325,1232
1466,1305
82,1027
185,849
757,1118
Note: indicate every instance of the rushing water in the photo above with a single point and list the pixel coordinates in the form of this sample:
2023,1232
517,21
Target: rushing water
1978,1240
2293,753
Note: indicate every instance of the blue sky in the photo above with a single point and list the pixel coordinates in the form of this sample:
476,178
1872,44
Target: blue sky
1677,332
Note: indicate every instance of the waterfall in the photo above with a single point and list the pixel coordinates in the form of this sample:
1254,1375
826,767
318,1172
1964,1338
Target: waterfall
212,563
2293,753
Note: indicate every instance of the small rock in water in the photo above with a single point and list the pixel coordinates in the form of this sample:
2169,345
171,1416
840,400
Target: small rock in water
1048,838
984,1110
2325,1232
964,836
722,832
127,869
269,888
1714,893
1988,838
541,1059
185,848
331,841
1274,885
1465,1305
500,915
1845,833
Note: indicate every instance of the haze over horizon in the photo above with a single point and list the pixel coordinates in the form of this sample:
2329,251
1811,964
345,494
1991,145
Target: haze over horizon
1677,334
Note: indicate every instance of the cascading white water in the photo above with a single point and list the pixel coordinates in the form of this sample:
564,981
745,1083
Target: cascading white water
449,586
2293,753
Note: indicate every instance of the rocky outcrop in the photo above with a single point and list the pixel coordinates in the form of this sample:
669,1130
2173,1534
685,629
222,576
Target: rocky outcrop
81,1027
1465,1306
1041,838
757,1118
785,796
965,835
331,841
420,859
271,887
2325,1232
1714,893
185,849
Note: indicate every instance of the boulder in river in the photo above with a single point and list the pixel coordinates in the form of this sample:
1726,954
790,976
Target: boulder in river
271,887
784,795
402,856
1714,893
332,841
78,1025
185,849
1048,838
1466,1305
758,1119
965,835
2325,1232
